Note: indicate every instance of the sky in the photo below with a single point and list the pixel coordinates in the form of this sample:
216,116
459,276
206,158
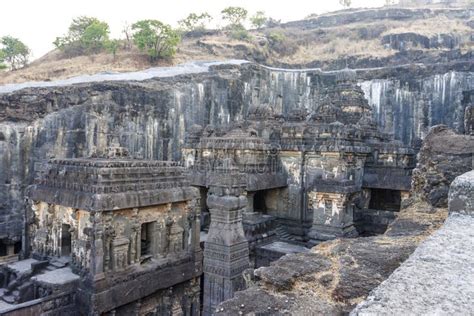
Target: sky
38,22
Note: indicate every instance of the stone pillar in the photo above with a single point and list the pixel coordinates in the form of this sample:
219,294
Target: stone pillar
97,266
226,252
250,202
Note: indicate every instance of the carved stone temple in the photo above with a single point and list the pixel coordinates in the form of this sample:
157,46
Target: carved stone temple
279,181
121,236
110,237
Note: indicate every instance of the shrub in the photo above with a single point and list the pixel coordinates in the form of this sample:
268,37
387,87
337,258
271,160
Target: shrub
86,35
156,39
241,34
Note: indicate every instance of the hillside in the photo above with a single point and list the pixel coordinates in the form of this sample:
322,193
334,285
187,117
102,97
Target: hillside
361,38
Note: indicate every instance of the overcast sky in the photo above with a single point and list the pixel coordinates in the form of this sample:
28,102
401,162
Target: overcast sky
38,22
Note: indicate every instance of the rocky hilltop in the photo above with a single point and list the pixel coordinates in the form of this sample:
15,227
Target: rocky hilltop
355,38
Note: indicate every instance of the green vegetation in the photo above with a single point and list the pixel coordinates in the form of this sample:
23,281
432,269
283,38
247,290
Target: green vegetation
236,16
156,39
240,33
13,54
195,22
86,35
112,47
279,42
259,19
345,3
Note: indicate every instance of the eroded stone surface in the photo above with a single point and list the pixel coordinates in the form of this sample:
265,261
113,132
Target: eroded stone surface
345,271
436,279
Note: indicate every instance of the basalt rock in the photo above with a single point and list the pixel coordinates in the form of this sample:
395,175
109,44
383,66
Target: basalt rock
443,157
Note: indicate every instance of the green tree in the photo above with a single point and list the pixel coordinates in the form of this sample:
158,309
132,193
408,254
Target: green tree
259,19
112,46
390,2
13,52
85,35
345,3
194,22
95,36
155,38
235,15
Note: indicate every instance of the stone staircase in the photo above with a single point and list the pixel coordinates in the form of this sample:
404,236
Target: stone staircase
19,287
283,235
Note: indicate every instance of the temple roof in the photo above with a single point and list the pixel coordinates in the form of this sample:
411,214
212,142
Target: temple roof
97,184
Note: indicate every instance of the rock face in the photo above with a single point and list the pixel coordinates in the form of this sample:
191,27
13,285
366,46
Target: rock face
443,156
150,117
437,278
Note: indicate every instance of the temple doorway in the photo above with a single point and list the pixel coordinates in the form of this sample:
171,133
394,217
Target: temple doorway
65,240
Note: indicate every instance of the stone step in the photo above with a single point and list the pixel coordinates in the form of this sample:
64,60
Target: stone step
10,299
58,264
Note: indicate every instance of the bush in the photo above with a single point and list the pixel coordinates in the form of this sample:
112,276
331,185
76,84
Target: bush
86,35
156,39
241,34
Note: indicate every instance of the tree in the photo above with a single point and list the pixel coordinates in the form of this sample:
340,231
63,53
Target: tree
13,52
112,46
95,36
155,38
345,3
259,19
390,2
127,31
235,15
85,35
194,22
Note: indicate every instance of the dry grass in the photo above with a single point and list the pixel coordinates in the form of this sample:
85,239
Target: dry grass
430,27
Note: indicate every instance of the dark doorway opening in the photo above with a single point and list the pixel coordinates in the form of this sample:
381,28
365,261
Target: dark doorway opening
386,200
259,204
17,247
3,249
65,240
146,237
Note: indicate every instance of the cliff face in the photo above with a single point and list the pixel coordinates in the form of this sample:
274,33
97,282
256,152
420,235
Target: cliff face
150,117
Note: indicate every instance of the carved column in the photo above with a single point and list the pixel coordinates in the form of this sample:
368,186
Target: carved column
226,252
97,265
250,202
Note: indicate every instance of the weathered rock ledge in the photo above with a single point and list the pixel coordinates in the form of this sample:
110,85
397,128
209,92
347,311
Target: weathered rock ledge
437,278
335,276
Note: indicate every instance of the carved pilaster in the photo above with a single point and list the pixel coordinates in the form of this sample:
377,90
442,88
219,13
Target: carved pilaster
97,265
226,253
